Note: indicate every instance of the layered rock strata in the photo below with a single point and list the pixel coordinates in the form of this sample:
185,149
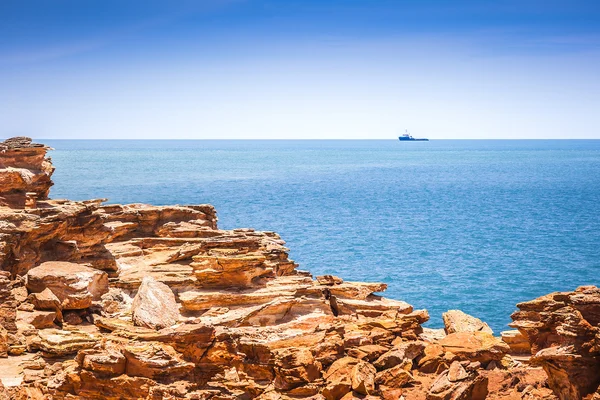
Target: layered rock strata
564,332
143,302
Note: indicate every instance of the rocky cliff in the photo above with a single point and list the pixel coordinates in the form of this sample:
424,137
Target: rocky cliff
142,302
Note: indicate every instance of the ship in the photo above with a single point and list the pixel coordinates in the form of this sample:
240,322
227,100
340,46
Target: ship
408,137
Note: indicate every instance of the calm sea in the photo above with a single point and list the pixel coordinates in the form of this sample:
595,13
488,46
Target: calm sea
470,225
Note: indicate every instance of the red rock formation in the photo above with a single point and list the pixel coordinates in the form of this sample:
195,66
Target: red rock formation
564,332
24,172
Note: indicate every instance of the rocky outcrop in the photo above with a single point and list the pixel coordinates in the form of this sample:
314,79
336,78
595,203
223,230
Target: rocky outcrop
156,302
564,333
24,173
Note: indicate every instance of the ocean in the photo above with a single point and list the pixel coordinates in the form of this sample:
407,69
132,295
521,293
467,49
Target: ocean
475,225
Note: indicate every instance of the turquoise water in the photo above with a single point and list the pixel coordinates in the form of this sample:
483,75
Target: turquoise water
473,225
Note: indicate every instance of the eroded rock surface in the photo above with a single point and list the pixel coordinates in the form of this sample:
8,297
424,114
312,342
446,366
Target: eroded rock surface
564,333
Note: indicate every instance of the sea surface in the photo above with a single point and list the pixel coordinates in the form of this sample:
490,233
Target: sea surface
471,225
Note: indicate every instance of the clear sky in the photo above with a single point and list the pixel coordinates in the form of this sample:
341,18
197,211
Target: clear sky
219,69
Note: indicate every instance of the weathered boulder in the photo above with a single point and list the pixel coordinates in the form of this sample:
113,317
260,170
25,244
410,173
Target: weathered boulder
154,305
395,377
339,378
402,354
458,321
295,367
75,285
39,319
459,382
474,346
107,361
564,332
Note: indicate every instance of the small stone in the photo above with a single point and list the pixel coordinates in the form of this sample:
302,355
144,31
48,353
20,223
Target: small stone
329,280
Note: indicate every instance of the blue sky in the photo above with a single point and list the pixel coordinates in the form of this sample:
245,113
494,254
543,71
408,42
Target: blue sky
300,69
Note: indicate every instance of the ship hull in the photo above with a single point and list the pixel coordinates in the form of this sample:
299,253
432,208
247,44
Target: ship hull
403,139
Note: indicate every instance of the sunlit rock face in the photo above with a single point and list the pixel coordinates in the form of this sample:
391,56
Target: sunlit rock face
155,302
564,333
25,172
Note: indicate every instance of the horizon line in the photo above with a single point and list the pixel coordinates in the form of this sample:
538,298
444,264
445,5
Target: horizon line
297,139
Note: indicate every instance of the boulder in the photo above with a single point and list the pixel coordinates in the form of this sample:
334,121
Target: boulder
401,354
295,367
154,305
39,319
75,285
106,361
459,382
363,378
474,346
458,321
395,377
338,378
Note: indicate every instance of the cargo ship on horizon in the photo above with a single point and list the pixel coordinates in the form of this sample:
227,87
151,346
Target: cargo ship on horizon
408,137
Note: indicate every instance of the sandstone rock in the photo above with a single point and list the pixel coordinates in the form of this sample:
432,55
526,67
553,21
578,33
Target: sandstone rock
363,378
57,343
295,367
251,324
371,306
45,300
432,335
518,343
458,384
458,321
564,332
75,285
339,378
329,280
395,377
155,361
24,172
474,346
400,355
4,345
369,352
8,303
154,305
39,319
109,361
